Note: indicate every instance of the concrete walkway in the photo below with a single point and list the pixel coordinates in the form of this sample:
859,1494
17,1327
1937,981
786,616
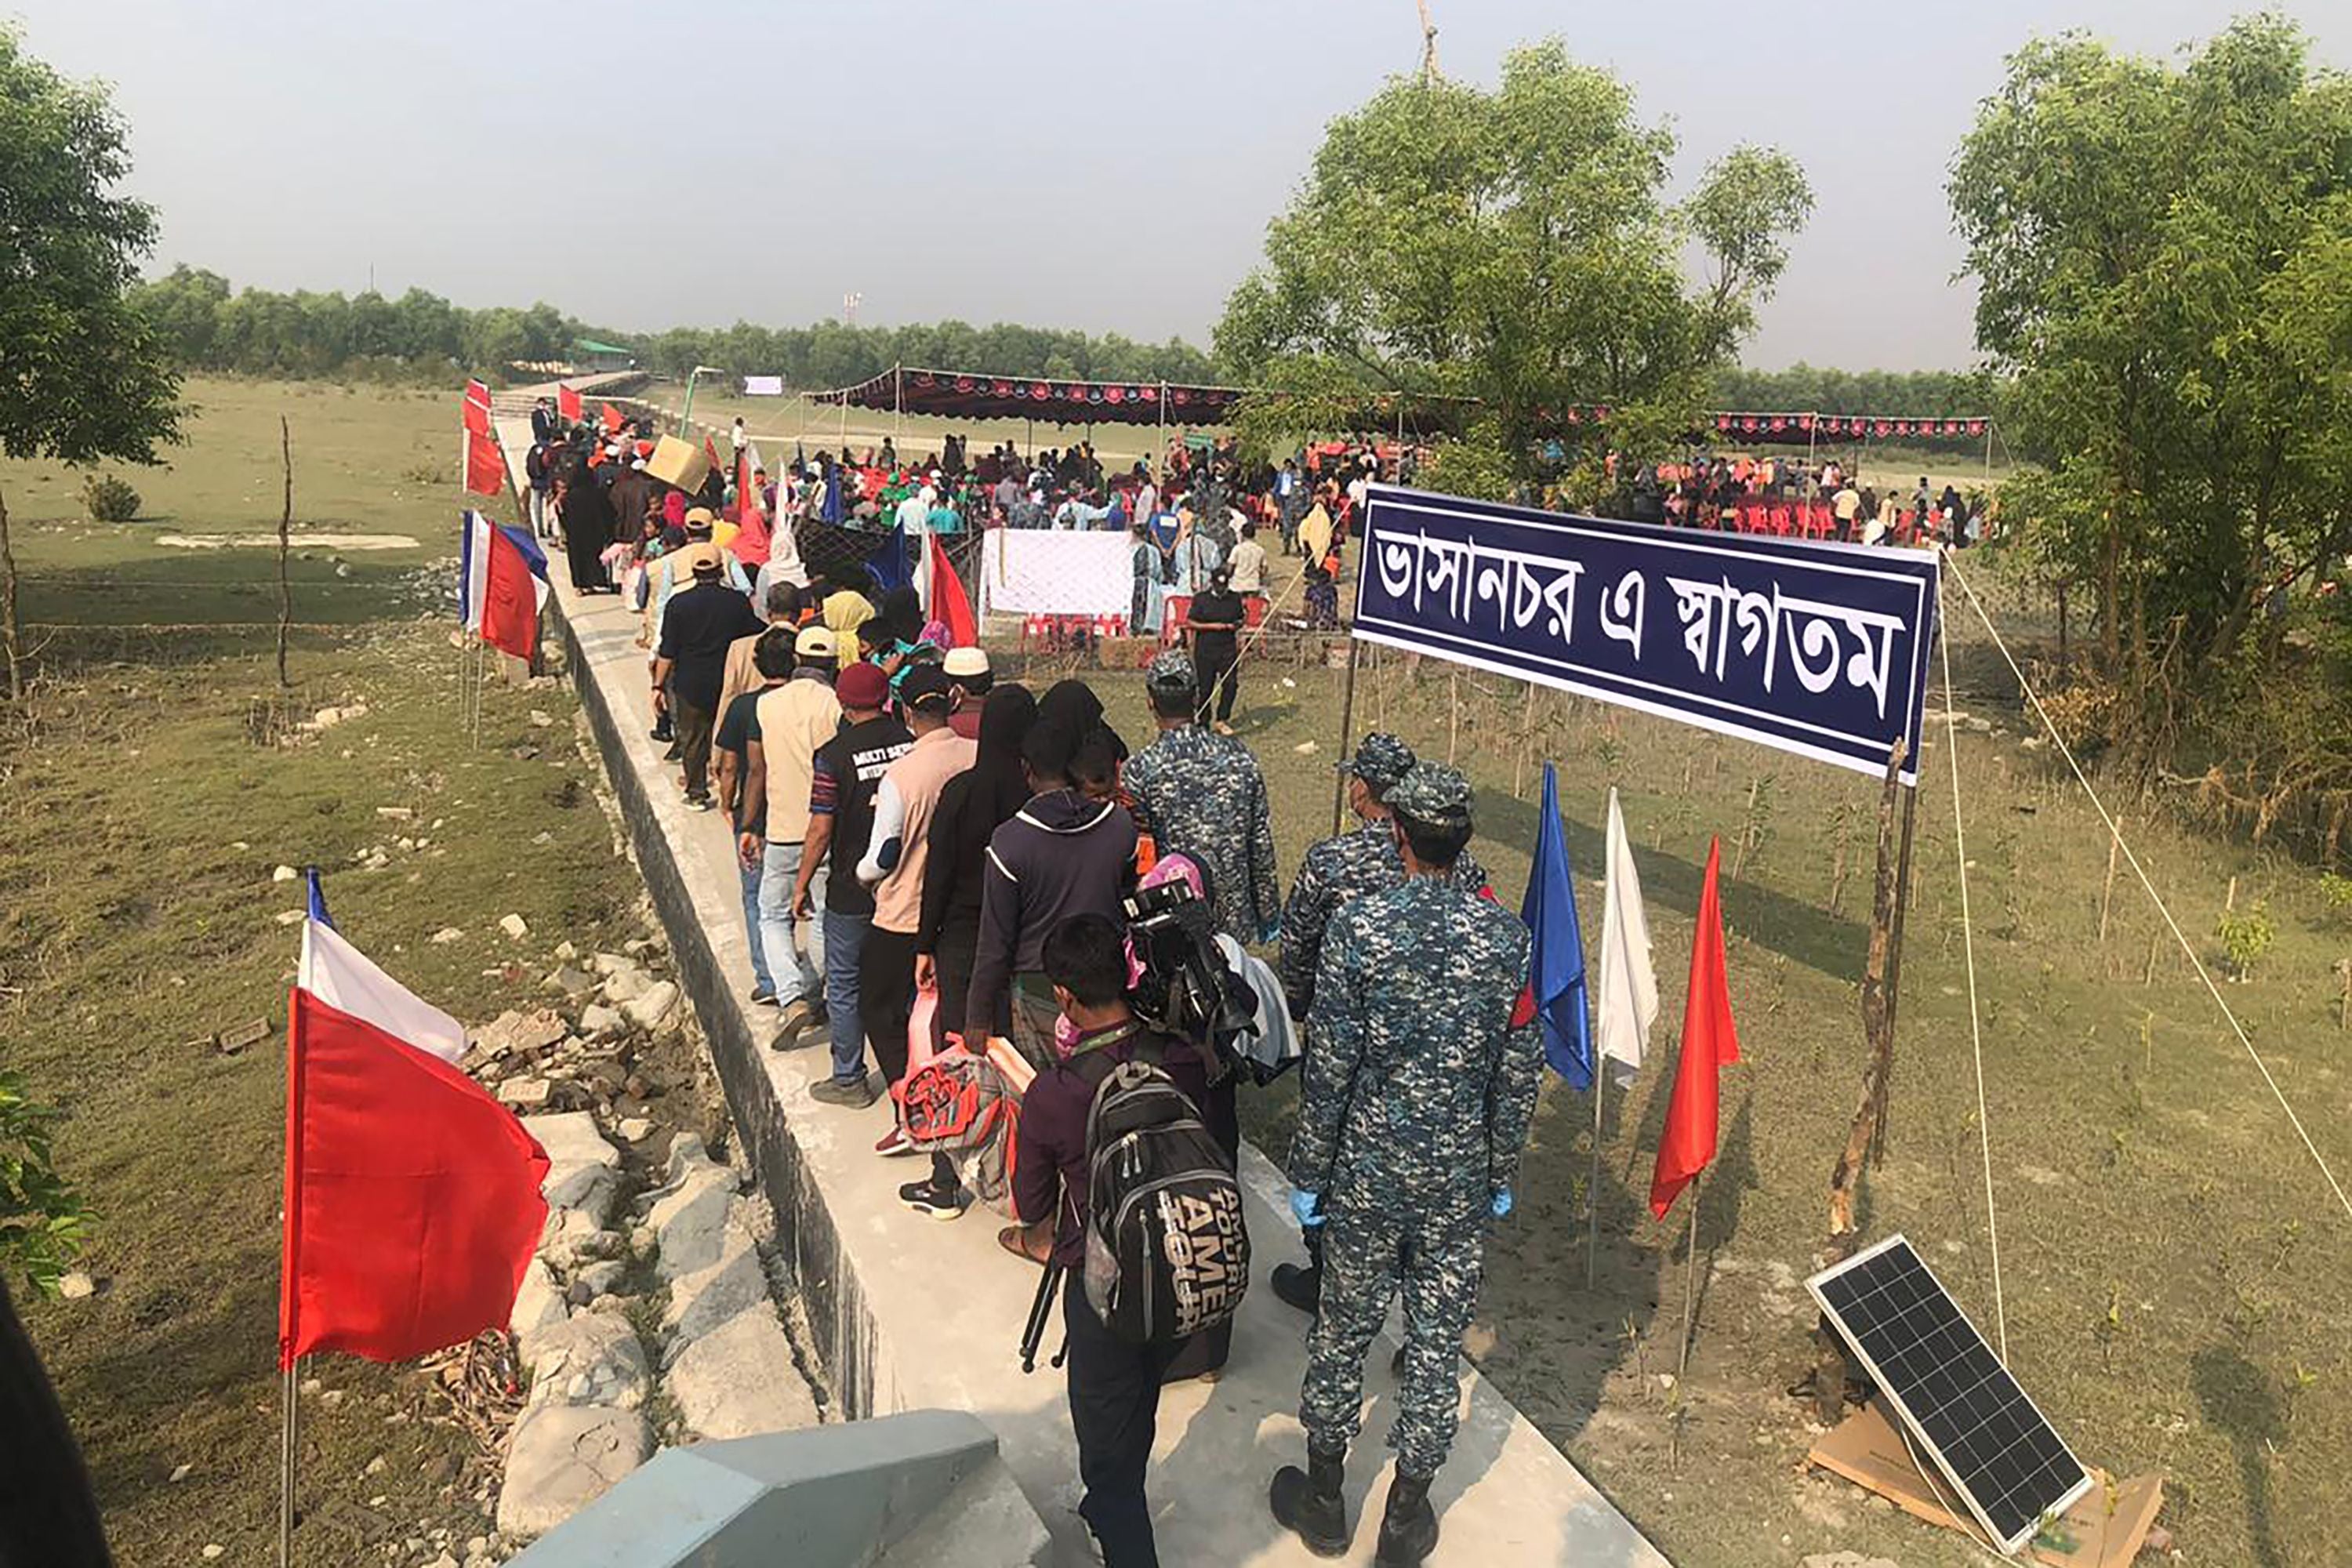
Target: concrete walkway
912,1314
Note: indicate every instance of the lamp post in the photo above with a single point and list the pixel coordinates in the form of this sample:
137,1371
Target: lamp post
688,415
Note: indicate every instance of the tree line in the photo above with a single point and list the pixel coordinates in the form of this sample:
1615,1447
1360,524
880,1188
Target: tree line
209,325
1811,389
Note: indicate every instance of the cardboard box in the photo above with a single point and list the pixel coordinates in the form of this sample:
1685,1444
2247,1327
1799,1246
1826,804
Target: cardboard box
2104,1529
678,463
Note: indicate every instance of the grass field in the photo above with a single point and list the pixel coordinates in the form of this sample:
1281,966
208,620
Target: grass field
2173,1269
2172,1263
138,913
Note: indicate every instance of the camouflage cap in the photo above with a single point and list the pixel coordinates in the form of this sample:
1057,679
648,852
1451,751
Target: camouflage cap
1381,761
1171,670
1435,793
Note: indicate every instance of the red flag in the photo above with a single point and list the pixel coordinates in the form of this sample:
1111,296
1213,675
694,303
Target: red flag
610,417
413,1201
950,607
751,541
710,450
509,620
485,465
1710,1041
567,402
477,408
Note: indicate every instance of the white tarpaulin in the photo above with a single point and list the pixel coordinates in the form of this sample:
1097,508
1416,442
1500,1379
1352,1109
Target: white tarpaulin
763,386
1040,572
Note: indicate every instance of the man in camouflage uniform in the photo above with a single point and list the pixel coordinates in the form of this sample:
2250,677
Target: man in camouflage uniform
1200,794
1336,872
1417,1098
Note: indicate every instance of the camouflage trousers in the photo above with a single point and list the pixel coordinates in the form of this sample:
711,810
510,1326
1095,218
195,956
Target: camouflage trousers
1371,1252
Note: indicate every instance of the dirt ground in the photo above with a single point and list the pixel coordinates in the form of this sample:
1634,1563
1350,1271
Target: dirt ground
2171,1261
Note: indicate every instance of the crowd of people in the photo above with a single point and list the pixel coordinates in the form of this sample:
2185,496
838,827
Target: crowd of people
916,839
908,829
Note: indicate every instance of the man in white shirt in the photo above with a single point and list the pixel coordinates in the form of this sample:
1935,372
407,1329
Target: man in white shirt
915,513
1248,565
738,435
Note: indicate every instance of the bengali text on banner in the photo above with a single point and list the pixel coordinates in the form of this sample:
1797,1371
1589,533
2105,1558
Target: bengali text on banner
1817,648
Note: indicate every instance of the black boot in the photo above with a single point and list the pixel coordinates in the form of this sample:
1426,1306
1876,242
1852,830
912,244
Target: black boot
1308,1502
1298,1285
1409,1525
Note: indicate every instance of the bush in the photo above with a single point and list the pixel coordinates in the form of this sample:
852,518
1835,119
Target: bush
42,1221
2246,937
109,499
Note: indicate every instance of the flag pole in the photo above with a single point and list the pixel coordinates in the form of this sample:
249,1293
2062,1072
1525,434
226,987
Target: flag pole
1592,1187
287,1449
1690,1293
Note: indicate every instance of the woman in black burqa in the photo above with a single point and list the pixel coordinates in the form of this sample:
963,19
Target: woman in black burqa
587,519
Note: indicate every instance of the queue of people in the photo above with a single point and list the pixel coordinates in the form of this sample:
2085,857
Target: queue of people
908,830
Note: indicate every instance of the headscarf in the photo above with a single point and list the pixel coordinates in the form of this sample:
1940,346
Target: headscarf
998,788
1073,706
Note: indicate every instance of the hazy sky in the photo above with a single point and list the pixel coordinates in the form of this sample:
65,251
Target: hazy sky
1064,162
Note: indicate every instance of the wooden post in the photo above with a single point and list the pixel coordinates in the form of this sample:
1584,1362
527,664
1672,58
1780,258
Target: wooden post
10,636
1347,735
2106,899
285,543
1453,714
1879,982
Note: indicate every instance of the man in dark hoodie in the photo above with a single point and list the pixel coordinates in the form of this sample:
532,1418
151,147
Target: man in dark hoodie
1061,855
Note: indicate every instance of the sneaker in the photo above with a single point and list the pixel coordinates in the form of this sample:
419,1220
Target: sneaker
798,1015
697,802
893,1142
763,995
661,730
856,1094
936,1202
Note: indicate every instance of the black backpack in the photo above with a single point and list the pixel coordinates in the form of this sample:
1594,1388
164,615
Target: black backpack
1167,1249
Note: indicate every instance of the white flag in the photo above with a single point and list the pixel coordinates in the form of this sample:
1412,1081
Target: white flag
1627,985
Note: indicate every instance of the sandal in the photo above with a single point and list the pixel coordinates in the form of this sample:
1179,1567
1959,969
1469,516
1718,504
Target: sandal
1032,1242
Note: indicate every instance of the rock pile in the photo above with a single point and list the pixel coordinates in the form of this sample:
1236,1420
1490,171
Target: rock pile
645,1308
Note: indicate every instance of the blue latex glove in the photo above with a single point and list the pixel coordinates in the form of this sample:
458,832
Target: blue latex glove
1307,1206
1502,1205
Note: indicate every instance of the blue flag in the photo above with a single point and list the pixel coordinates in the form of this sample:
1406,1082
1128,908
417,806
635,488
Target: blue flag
317,897
1559,969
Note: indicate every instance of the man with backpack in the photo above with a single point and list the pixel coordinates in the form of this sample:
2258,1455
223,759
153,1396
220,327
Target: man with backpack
1419,1089
1336,872
1120,1120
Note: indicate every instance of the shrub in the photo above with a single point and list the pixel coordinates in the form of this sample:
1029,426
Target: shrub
2246,937
42,1221
109,499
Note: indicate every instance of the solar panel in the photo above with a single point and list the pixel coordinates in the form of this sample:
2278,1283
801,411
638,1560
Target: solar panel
2007,1463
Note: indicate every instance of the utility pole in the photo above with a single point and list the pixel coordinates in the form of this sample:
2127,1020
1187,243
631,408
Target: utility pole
1429,72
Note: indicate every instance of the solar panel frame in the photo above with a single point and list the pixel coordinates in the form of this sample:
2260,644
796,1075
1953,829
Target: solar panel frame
1895,1372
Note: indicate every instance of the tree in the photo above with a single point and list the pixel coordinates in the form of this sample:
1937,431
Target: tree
87,376
1514,246
2165,257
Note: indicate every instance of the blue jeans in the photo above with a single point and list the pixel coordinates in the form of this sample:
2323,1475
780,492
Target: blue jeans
794,975
750,876
844,946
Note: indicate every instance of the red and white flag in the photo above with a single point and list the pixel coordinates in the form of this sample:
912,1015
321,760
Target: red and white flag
413,1201
501,584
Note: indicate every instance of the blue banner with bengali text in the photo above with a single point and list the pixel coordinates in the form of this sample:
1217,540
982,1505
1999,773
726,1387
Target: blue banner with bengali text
1817,648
